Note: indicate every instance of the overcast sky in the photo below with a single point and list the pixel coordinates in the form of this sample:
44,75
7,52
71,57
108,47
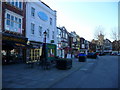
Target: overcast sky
84,17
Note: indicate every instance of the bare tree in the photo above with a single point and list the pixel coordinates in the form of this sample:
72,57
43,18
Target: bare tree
114,34
98,30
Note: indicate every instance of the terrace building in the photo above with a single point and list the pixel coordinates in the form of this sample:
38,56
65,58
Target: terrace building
14,42
40,18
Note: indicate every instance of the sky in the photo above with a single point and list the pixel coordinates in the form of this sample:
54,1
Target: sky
83,17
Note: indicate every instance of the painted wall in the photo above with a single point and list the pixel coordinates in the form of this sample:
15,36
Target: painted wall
40,7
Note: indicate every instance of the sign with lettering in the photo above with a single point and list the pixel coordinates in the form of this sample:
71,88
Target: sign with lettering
13,39
43,16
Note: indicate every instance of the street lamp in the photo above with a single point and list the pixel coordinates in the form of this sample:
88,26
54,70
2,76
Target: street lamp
45,33
44,51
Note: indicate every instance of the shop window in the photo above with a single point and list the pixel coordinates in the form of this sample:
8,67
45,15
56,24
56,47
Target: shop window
51,52
35,54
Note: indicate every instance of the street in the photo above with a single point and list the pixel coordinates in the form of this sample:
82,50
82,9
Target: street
94,73
100,74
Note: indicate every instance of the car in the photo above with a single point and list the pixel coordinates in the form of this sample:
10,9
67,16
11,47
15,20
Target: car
118,54
92,55
115,53
101,54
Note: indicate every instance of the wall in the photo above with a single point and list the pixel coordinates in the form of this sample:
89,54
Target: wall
38,22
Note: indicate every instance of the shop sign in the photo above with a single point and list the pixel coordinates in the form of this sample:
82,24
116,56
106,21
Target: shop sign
43,16
13,39
19,44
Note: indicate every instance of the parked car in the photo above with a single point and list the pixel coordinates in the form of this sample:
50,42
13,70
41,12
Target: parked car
101,54
118,54
115,53
92,55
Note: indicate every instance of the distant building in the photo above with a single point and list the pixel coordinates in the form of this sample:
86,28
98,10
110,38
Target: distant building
116,46
75,43
107,46
63,42
92,47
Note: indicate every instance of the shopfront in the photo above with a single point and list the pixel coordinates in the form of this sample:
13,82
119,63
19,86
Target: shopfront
33,54
13,48
51,51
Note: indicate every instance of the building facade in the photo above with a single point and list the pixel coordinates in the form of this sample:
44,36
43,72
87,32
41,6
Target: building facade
107,46
75,44
40,18
63,42
14,42
116,46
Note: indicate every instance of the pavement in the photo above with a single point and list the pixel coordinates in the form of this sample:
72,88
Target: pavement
21,76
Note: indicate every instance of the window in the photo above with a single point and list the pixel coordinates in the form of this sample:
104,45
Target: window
15,3
12,2
32,11
48,33
13,23
16,23
19,27
52,34
50,21
8,19
40,30
20,5
32,28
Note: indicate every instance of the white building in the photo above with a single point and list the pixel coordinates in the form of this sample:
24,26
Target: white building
40,18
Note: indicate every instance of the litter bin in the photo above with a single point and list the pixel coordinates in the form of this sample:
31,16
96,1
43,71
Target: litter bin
64,63
82,57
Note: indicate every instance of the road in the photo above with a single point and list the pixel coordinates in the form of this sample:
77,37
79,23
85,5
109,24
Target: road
100,73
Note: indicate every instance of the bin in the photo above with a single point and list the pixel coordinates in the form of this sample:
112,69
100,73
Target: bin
82,57
64,63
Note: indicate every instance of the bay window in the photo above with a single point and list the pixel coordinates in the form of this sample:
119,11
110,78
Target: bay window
13,22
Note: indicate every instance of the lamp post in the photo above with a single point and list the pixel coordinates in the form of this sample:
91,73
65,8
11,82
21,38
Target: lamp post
44,50
45,33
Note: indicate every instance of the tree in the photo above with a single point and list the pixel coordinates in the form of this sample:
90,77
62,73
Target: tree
115,36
